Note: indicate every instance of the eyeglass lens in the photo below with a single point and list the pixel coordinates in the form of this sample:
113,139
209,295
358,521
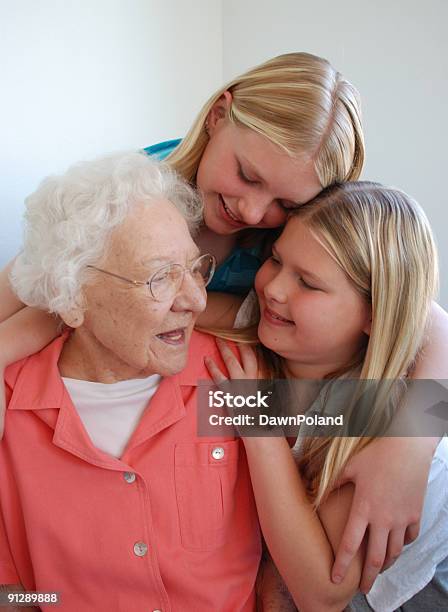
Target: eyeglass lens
167,281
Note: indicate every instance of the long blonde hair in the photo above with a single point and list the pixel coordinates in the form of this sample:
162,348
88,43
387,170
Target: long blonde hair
383,242
300,103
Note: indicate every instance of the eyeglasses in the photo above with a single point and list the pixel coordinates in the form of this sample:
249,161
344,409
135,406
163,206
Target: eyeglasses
166,281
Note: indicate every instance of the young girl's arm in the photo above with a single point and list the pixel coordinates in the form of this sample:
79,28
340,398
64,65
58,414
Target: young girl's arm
23,334
300,546
389,500
23,331
221,310
297,541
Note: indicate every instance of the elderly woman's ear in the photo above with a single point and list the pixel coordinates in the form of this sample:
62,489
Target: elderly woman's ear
73,317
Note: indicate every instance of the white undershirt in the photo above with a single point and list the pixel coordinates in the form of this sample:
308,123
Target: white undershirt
249,311
111,412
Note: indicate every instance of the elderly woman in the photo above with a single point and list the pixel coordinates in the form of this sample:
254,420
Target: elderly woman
107,495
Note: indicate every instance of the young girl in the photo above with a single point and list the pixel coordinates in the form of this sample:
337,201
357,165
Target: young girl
346,292
267,142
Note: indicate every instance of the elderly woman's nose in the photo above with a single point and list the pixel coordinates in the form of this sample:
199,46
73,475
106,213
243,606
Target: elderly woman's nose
191,295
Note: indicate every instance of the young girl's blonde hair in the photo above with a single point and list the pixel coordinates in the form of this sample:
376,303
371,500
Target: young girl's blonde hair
382,240
297,101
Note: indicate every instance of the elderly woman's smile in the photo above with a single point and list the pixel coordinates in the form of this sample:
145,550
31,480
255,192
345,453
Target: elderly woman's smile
123,331
175,337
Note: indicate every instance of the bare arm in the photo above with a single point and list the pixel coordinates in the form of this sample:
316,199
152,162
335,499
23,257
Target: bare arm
23,334
221,310
296,539
23,330
298,542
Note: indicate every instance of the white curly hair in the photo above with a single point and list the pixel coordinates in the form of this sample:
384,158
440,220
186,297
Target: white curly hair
69,220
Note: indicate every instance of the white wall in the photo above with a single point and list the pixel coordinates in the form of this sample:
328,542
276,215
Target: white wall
83,77
396,53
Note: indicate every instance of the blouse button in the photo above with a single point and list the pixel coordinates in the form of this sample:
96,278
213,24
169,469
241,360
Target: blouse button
218,452
140,549
129,477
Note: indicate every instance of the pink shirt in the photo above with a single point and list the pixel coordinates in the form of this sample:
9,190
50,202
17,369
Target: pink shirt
170,526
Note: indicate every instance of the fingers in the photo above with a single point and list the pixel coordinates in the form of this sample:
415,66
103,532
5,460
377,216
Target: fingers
397,539
216,374
351,541
230,361
376,553
246,370
249,360
411,533
394,547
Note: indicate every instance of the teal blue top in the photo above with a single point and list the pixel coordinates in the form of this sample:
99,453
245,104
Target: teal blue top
237,273
162,149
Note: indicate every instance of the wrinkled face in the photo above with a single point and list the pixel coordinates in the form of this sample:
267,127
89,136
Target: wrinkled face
310,312
123,325
247,181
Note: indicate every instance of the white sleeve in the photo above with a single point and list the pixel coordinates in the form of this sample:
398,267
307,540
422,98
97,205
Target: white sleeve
248,312
416,566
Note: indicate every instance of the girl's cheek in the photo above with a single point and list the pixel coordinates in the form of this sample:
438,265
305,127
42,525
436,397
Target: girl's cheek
316,313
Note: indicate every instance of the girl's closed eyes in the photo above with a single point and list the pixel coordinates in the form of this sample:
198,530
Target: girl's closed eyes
245,177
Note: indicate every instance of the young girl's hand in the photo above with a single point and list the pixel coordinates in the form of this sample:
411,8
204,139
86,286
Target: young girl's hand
247,369
388,500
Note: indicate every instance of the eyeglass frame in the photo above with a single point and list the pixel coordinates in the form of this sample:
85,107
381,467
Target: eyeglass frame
147,283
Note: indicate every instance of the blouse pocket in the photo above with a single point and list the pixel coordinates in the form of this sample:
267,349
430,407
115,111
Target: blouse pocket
205,477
